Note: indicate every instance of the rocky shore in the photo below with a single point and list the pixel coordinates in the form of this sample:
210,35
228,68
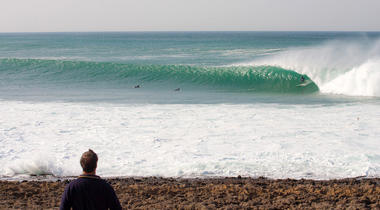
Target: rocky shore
210,193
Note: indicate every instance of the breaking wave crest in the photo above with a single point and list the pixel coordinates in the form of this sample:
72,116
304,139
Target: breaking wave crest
337,67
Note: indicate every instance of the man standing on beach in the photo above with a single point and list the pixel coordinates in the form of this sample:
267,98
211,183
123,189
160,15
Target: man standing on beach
89,191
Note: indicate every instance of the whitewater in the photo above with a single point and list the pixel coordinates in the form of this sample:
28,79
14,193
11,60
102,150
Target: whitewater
240,109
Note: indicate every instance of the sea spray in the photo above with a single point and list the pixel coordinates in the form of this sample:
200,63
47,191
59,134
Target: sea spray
34,165
360,81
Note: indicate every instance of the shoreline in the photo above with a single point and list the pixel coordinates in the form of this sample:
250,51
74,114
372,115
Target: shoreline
53,178
207,193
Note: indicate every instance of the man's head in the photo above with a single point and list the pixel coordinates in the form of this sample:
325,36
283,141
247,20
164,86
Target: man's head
89,161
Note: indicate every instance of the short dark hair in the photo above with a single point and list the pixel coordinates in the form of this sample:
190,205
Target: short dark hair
89,161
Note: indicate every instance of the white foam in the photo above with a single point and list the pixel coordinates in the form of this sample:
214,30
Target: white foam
360,81
277,141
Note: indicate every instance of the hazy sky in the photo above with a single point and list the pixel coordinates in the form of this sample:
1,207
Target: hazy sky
189,15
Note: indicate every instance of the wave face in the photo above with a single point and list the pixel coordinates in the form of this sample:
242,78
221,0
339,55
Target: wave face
263,78
350,67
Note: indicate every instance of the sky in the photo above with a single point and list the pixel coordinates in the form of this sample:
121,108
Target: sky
189,15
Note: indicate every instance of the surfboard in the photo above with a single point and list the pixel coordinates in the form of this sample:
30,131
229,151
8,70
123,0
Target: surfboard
305,83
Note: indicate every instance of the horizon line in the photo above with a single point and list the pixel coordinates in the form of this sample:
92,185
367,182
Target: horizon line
171,31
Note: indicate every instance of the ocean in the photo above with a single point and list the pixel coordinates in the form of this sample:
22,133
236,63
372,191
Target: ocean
191,104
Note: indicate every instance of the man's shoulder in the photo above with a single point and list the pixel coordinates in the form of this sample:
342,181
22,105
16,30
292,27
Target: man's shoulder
87,180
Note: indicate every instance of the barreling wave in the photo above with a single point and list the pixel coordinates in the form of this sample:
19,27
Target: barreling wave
337,67
255,78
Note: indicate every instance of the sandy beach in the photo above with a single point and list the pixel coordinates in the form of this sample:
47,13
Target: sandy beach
210,193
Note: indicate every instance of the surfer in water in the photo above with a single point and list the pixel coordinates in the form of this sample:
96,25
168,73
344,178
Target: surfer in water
137,86
177,89
302,79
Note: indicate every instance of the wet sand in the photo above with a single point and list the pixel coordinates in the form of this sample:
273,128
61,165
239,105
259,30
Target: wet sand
225,193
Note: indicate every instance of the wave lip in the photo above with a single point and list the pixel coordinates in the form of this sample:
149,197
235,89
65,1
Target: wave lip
263,78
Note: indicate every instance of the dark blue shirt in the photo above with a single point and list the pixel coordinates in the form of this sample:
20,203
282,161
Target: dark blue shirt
89,192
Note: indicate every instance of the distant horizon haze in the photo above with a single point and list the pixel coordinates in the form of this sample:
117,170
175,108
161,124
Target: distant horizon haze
181,15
